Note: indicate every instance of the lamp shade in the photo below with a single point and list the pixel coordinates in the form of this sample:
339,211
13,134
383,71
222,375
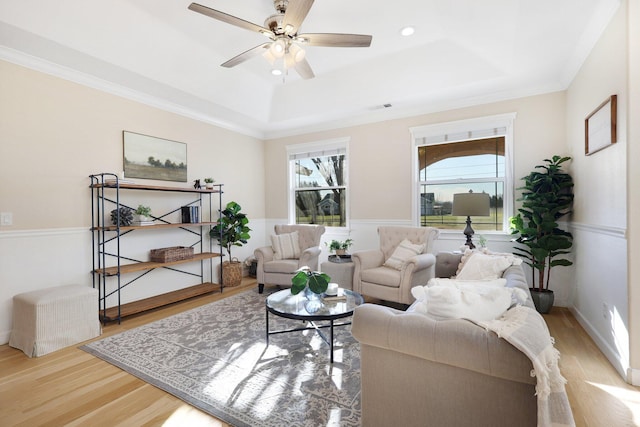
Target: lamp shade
470,204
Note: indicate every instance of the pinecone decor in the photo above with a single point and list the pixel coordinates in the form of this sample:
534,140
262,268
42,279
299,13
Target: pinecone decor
126,216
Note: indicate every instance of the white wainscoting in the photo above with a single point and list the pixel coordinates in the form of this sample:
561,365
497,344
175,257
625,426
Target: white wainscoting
38,259
600,291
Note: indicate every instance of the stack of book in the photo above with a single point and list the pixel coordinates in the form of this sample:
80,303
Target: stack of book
190,214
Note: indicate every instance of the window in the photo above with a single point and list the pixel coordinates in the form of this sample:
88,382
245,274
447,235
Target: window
318,177
460,157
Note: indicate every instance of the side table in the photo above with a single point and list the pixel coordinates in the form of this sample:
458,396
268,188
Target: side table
340,272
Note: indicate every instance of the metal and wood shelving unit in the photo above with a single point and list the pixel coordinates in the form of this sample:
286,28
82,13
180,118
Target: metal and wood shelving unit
111,265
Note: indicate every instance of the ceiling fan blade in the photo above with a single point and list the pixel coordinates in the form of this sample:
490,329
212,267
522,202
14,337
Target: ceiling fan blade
304,69
335,40
296,11
248,54
230,19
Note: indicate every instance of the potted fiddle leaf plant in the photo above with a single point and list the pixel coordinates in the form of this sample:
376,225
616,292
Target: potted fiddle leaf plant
231,230
547,196
307,279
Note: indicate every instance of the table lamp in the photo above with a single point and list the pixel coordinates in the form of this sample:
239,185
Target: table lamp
470,204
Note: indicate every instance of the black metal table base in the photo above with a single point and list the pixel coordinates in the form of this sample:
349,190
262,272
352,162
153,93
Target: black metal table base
313,326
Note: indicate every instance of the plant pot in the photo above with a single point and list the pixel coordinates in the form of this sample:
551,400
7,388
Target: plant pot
341,252
209,185
231,273
543,300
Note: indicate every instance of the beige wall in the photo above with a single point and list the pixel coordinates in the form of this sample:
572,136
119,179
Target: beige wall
53,134
633,185
380,177
600,210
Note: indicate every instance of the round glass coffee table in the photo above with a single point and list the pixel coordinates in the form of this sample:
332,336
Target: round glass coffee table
298,307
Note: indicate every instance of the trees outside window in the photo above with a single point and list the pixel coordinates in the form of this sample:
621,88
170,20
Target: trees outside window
319,184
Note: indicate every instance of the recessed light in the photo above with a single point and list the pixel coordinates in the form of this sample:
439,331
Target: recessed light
407,31
276,72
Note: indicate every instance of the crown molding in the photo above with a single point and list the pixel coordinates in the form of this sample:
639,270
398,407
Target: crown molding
47,67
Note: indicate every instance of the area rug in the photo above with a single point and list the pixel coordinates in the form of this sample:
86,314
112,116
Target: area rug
215,358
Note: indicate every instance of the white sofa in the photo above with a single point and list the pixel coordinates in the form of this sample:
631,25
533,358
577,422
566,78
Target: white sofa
420,371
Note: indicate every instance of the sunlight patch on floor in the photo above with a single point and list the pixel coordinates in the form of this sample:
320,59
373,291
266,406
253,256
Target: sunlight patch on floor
629,398
189,416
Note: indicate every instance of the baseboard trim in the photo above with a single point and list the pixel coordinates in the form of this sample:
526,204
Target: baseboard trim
610,353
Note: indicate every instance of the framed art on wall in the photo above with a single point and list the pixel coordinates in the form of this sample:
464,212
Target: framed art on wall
149,157
600,126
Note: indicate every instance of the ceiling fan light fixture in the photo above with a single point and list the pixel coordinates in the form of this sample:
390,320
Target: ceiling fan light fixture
268,55
278,48
296,52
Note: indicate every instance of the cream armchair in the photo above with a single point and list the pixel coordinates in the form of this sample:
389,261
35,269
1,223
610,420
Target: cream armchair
272,271
371,277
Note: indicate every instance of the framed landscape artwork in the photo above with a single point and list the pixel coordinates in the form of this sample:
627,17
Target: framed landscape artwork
600,126
149,157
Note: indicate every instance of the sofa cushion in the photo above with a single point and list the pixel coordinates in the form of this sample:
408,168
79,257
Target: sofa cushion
476,265
402,253
285,246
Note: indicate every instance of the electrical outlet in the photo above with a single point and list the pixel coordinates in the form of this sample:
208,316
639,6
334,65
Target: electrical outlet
6,218
605,311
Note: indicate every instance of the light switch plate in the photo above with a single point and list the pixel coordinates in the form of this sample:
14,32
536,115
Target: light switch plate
6,218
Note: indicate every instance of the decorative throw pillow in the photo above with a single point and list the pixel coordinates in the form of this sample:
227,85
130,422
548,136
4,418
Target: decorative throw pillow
285,246
477,265
402,253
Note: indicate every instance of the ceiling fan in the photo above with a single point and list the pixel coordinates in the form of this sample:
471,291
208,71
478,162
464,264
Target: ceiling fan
283,50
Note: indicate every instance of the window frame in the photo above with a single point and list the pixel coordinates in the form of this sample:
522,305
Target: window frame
310,148
465,130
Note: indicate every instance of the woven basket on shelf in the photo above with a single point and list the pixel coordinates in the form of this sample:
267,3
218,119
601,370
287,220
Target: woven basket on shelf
174,253
231,273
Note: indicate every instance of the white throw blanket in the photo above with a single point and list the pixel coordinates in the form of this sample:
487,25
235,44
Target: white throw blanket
525,329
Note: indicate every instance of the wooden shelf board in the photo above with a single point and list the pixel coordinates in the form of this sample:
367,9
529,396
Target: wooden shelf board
160,188
149,265
156,226
158,301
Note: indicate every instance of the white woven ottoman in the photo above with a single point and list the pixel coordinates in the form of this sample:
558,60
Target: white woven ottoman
54,318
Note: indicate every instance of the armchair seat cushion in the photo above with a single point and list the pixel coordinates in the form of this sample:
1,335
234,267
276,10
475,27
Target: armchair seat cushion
293,246
281,266
383,276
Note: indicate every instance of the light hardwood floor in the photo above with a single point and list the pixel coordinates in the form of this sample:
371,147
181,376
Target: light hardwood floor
71,387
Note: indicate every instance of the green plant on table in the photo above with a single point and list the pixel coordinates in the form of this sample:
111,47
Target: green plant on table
315,280
336,245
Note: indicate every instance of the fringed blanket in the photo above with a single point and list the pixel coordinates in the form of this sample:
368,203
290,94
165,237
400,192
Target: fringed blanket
525,329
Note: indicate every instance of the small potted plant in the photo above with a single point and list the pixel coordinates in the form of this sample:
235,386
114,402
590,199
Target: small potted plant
231,230
340,247
208,182
307,279
143,213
